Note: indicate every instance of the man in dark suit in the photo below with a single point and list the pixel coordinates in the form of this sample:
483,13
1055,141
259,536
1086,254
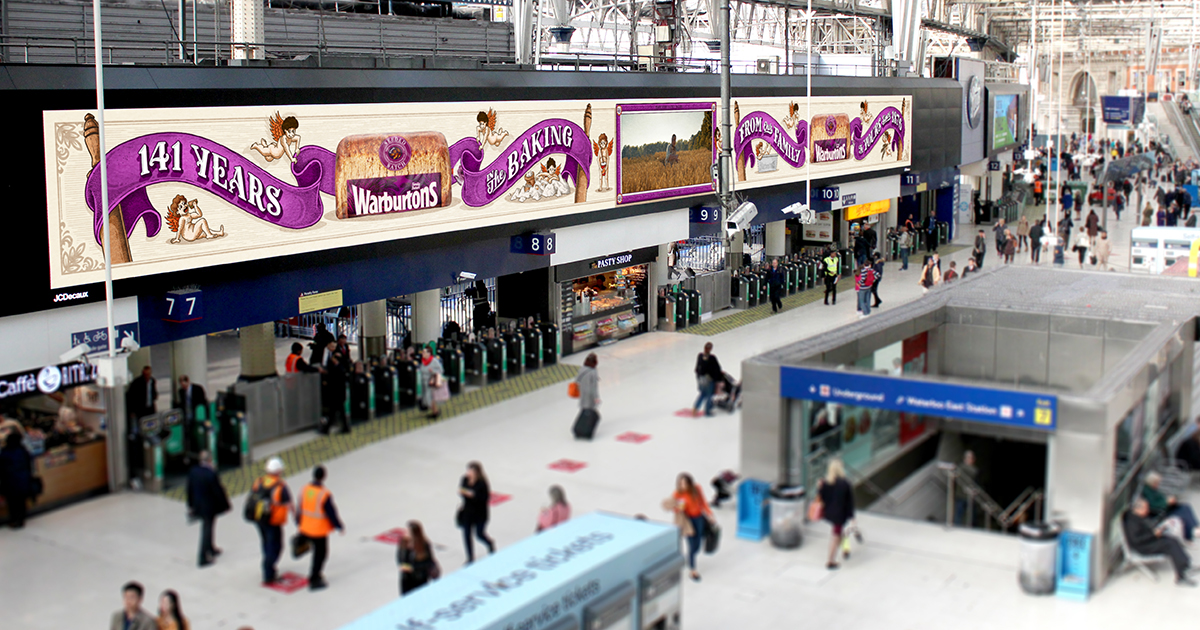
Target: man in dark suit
188,397
140,401
333,388
207,500
1146,539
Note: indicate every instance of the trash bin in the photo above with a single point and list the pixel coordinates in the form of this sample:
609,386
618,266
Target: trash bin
787,516
1039,556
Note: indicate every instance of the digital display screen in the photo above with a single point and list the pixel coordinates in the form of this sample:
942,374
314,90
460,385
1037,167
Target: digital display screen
1005,120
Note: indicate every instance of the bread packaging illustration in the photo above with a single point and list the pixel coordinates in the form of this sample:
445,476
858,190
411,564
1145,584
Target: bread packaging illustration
392,172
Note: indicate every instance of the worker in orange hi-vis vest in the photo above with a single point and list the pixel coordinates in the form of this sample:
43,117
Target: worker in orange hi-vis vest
318,518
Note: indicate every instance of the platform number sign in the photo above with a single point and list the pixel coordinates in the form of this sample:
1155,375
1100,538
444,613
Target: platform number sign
538,244
705,214
183,306
831,193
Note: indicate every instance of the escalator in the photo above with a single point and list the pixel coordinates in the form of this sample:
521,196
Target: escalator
1186,127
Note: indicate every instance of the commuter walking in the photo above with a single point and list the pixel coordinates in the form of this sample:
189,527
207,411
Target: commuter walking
414,555
319,345
1022,233
775,281
317,518
931,233
132,616
1036,232
863,281
877,267
1092,225
837,506
473,514
980,249
433,377
951,273
587,383
1010,247
333,389
206,500
829,269
170,613
692,516
1103,250
558,512
931,276
1081,247
269,504
708,374
16,478
1067,200
998,232
905,244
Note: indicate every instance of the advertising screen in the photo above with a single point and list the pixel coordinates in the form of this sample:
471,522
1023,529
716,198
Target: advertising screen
1005,121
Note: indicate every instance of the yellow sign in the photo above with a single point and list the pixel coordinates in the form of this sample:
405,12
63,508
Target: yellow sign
1192,258
320,301
853,213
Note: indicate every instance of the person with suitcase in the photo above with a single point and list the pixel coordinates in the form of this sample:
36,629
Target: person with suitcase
588,383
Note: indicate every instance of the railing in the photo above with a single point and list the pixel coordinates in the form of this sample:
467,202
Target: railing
854,476
17,49
623,61
1005,517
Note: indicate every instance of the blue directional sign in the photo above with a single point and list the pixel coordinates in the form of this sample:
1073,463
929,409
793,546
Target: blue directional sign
980,404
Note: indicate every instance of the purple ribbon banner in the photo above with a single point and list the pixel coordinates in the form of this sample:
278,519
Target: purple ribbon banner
481,187
762,126
864,143
163,158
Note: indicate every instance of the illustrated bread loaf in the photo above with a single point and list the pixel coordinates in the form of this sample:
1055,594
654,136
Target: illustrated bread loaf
391,157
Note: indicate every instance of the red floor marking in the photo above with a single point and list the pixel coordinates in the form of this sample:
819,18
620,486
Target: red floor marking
633,438
497,499
288,583
685,413
568,465
392,536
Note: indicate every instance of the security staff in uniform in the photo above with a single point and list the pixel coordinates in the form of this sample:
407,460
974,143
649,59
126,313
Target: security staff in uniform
830,267
271,533
318,518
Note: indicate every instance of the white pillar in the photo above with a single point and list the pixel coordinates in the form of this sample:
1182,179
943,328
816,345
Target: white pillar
248,29
658,277
190,357
258,351
427,316
113,375
374,329
736,245
776,244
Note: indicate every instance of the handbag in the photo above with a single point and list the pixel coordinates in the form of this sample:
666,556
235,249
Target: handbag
816,511
36,487
573,389
460,517
712,537
301,545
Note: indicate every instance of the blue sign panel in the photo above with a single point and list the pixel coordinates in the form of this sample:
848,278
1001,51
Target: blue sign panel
1009,408
183,306
537,244
97,338
704,214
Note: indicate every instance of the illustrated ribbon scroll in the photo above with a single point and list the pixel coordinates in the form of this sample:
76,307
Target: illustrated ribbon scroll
763,126
888,119
481,187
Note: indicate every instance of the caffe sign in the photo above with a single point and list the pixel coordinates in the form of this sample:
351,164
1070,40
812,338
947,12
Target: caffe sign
46,380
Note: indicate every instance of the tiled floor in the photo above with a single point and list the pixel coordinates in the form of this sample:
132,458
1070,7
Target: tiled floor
65,569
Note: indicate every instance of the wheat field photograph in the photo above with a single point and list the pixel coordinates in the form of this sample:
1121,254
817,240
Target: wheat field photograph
665,150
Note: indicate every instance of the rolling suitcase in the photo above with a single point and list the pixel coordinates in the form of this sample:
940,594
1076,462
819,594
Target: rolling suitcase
585,424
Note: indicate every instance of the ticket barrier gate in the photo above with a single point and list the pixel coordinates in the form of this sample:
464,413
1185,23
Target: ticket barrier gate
233,434
474,364
497,360
533,347
667,305
551,344
694,305
386,389
406,384
152,435
661,600
360,397
682,306
453,366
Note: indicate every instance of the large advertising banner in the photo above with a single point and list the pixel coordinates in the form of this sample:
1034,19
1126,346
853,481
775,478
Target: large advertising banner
197,187
1005,120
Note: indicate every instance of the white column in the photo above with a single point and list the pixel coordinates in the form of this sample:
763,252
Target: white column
190,357
113,375
658,277
736,245
248,29
258,351
776,244
427,316
374,329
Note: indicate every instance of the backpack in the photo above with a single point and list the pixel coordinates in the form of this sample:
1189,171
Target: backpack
258,504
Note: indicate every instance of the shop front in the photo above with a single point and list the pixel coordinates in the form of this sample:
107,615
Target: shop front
60,413
603,300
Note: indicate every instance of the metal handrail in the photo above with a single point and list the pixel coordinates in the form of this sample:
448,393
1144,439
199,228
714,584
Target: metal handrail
1004,517
851,475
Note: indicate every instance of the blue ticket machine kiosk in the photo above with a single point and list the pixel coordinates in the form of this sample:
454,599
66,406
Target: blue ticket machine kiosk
598,571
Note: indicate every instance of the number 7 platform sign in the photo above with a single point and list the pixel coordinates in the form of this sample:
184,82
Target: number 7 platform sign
182,306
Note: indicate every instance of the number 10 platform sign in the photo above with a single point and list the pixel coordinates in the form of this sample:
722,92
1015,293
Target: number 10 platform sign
979,404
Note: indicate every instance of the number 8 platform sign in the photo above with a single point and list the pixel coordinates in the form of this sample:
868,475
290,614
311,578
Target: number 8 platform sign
536,244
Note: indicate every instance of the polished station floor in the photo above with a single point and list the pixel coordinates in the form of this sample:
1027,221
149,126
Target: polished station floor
65,569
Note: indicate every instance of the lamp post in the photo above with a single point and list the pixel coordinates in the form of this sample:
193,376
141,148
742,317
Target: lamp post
103,164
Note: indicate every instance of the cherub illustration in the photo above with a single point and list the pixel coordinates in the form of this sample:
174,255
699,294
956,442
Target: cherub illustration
887,147
287,141
865,114
761,150
529,190
551,180
603,149
793,118
187,221
487,133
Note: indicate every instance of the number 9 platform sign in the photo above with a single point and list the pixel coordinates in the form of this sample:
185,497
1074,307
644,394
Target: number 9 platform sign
536,244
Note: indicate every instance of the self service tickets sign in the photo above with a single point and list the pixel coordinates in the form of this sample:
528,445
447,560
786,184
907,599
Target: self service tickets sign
195,187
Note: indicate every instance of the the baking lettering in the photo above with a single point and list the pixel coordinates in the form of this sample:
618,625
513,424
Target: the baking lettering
551,139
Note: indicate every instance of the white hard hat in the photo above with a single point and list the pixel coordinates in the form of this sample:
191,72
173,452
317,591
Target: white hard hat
274,466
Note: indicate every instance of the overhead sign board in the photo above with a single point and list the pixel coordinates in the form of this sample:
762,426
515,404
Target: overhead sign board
961,402
197,187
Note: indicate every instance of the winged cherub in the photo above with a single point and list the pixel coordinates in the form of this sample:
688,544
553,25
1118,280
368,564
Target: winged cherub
187,221
603,149
287,141
793,118
487,133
